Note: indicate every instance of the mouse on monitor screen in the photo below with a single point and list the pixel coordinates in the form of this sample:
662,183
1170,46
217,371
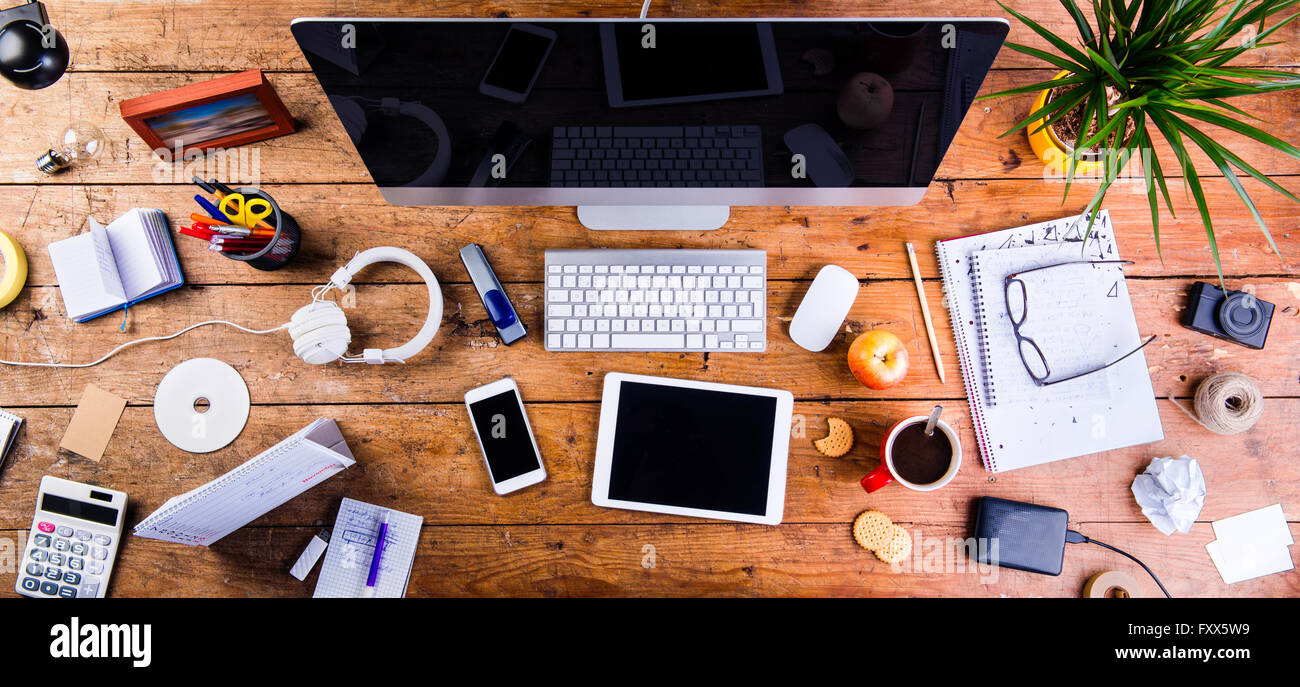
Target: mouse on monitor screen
828,166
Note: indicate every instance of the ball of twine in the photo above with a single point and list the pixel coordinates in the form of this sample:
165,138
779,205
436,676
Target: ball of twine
1227,403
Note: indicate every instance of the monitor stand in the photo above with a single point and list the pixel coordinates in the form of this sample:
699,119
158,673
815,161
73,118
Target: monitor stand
653,217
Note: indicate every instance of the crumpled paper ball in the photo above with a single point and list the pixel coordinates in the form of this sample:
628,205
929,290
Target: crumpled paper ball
1171,493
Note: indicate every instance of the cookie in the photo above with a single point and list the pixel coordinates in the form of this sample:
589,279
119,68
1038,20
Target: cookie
871,529
897,548
838,441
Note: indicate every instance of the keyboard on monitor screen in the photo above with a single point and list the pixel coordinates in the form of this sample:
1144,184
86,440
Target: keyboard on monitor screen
656,156
656,300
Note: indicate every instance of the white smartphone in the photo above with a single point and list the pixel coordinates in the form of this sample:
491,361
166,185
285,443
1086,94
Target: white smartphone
504,436
518,61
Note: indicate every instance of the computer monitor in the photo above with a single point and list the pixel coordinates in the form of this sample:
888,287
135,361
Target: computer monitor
651,123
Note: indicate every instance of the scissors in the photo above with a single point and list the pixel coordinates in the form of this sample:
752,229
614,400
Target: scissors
245,211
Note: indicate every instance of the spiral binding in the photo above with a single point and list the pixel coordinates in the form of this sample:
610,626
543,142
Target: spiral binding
977,289
964,356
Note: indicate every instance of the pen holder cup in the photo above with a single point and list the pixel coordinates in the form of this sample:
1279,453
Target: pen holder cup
282,247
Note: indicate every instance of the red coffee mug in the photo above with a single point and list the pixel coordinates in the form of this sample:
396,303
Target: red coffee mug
885,473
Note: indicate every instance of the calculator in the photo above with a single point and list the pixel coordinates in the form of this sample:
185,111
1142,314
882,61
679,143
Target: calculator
73,541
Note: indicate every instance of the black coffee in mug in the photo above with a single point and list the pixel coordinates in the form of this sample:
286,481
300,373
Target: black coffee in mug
921,459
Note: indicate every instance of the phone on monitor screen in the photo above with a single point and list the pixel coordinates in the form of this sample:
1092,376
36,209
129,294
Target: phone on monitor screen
518,61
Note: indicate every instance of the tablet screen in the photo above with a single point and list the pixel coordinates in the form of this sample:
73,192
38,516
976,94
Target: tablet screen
692,448
712,59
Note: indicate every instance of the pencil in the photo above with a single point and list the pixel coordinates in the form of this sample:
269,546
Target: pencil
925,311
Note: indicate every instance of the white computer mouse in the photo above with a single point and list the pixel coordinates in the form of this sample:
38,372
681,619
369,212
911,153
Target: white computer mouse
824,308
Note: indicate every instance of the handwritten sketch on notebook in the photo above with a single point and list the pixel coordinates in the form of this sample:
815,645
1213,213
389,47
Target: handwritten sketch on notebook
1041,430
210,512
352,546
1075,313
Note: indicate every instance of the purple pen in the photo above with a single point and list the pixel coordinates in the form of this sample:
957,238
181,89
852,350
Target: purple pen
380,542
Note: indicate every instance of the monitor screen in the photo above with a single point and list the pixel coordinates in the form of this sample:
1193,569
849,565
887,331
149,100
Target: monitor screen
657,111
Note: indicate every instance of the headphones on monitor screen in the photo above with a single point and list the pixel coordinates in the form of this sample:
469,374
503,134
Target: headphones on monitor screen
353,112
320,329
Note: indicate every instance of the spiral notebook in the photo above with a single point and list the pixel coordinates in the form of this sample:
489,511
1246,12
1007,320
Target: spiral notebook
1016,423
352,548
227,503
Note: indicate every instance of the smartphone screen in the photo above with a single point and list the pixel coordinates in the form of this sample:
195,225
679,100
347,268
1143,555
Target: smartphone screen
518,60
504,434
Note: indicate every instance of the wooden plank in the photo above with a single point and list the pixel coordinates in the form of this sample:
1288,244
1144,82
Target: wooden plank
320,152
138,35
467,352
689,560
423,459
339,221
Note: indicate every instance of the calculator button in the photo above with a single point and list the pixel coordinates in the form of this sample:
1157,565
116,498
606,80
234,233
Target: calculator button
49,588
35,569
52,573
31,584
45,527
95,568
38,555
64,531
103,540
72,577
89,589
99,553
67,592
57,559
83,535
79,549
62,544
76,563
42,540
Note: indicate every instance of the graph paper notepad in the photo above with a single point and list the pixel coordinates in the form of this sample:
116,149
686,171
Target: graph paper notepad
1019,430
204,515
352,546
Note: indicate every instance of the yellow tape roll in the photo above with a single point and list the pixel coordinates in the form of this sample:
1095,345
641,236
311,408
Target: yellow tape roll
15,269
1112,584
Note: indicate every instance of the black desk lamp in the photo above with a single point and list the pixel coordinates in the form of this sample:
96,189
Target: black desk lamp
32,53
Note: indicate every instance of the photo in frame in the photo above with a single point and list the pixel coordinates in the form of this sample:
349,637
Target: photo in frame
225,112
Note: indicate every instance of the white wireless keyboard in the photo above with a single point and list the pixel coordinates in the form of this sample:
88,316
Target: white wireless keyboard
656,300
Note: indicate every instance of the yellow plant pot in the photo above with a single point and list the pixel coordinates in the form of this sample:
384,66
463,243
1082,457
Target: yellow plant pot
1050,149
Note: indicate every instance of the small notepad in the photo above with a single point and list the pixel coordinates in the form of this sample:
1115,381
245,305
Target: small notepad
205,515
352,546
110,268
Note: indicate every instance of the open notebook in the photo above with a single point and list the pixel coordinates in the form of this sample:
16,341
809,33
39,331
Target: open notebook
210,512
1081,316
110,268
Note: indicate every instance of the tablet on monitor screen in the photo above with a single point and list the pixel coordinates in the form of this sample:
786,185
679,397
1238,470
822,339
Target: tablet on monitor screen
692,448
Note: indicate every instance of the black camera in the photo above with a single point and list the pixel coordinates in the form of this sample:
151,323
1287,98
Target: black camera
1233,316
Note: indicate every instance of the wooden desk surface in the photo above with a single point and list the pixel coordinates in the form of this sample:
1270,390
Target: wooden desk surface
408,426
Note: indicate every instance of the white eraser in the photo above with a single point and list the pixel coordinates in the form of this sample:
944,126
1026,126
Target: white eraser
310,555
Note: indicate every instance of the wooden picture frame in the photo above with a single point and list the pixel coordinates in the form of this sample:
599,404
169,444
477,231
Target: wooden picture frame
225,112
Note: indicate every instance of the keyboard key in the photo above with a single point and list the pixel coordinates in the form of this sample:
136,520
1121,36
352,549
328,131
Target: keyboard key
747,326
657,341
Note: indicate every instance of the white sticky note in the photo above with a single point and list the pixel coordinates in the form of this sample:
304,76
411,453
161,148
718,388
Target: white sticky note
1265,524
1245,561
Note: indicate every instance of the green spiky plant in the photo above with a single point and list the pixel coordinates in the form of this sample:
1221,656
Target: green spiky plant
1164,63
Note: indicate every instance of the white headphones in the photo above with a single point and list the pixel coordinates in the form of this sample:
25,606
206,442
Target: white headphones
320,330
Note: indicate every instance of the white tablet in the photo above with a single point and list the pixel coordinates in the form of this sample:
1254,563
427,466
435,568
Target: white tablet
692,448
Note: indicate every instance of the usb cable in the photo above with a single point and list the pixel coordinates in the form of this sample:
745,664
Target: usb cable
1073,537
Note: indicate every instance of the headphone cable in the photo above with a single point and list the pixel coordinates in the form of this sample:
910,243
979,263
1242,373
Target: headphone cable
146,340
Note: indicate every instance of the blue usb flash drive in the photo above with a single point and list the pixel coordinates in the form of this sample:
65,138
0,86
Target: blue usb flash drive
499,308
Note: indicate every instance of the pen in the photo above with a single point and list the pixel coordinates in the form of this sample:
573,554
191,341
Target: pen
380,543
207,206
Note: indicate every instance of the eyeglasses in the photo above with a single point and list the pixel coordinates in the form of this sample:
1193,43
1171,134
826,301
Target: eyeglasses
1018,310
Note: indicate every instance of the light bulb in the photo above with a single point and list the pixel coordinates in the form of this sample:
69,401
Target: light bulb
79,144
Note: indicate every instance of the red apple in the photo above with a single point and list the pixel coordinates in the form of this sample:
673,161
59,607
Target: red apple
878,359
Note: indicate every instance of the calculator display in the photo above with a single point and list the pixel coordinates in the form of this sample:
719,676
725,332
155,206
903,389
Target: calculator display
79,509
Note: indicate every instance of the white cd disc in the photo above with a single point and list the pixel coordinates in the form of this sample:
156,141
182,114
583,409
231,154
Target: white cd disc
194,429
